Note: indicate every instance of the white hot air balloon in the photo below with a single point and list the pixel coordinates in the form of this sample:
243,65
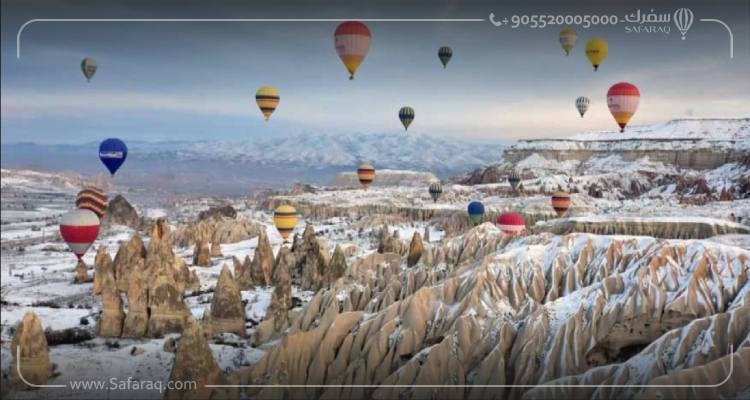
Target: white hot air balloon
683,19
79,228
88,67
582,104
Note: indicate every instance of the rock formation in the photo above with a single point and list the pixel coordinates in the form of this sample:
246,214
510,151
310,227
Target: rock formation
128,255
216,247
337,268
277,316
195,362
218,212
227,313
415,250
82,272
243,273
493,315
112,317
136,321
225,230
30,353
426,234
102,267
262,264
312,261
202,254
119,211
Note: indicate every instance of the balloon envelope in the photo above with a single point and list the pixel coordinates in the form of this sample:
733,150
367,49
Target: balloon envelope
582,105
406,115
568,39
622,100
88,67
596,51
514,179
267,99
352,40
94,199
366,174
435,189
444,54
560,202
113,153
511,223
476,212
79,228
285,218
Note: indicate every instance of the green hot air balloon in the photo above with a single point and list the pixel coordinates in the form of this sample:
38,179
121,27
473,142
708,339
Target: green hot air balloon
406,115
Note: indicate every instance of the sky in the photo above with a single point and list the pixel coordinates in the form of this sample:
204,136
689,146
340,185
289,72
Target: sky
161,81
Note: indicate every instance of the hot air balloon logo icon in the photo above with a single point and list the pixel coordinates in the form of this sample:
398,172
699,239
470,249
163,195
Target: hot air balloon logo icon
683,19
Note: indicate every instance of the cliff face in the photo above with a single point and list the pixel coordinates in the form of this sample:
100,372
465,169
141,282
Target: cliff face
701,158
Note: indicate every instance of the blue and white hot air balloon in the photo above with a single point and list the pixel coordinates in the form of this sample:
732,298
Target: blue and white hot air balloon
113,153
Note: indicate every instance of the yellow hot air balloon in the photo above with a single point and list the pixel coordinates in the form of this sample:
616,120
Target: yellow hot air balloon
596,51
285,218
568,39
267,98
352,40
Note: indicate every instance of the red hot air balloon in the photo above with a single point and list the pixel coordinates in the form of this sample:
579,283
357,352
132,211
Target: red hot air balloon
622,100
79,228
511,223
352,40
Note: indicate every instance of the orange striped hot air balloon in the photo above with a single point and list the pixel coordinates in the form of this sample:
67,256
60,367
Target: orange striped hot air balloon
560,202
92,198
352,40
285,218
623,99
366,174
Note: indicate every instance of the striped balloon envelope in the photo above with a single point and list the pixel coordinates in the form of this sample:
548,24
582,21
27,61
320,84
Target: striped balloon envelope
406,115
435,189
92,198
514,179
267,99
622,100
511,223
366,174
352,40
445,54
285,218
79,228
560,202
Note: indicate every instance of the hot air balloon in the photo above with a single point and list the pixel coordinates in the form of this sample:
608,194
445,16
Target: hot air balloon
444,54
267,98
568,39
511,223
582,104
94,199
285,218
622,100
560,202
352,40
79,228
596,51
88,67
476,212
113,153
513,179
435,189
366,174
406,115
683,19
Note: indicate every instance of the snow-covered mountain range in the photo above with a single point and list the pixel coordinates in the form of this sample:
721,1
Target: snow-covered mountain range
318,151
